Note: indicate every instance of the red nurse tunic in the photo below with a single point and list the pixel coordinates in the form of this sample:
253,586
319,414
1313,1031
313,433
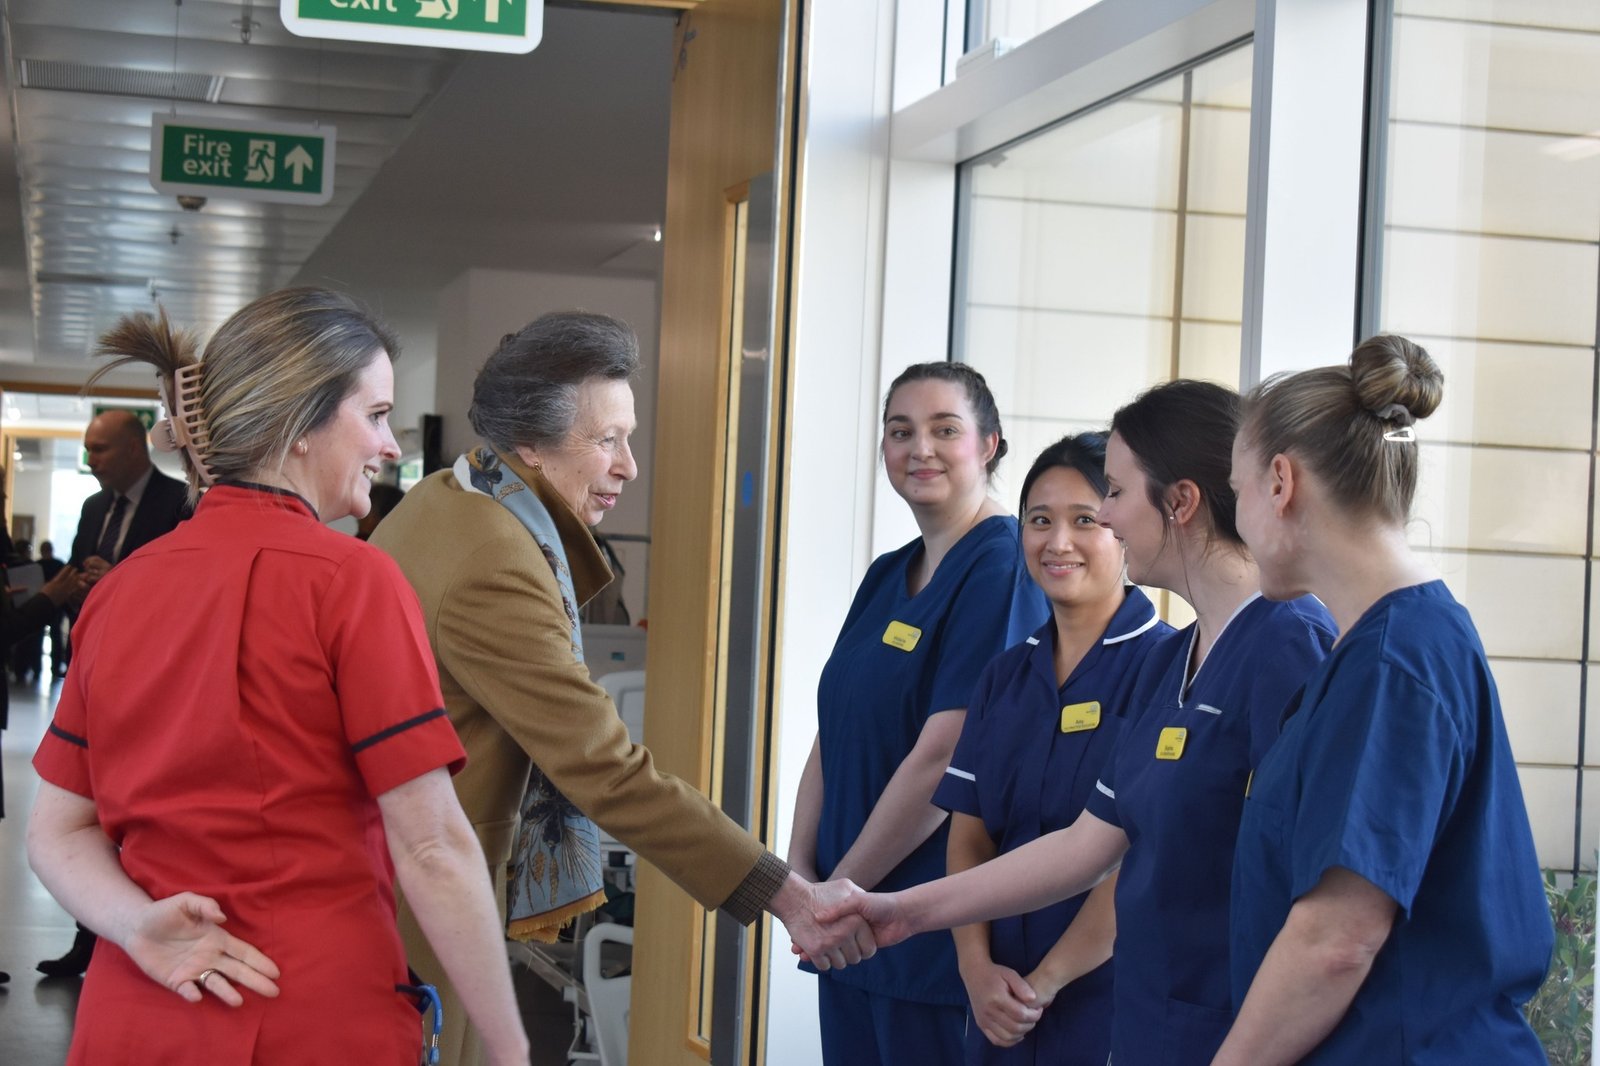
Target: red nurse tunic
241,689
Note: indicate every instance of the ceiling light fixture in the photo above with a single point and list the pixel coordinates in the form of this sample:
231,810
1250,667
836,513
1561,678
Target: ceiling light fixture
247,25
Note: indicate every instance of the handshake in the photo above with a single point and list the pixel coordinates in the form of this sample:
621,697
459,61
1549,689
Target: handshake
836,924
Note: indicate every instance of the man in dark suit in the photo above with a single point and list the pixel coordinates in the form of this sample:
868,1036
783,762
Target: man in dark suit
136,504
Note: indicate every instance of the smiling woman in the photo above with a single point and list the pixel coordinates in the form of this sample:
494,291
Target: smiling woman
891,701
333,465
499,550
299,710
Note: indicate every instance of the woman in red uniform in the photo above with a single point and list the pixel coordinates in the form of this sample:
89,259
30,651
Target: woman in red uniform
252,733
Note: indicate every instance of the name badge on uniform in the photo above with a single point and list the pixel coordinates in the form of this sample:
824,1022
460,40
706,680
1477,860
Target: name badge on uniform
899,635
1170,744
1080,717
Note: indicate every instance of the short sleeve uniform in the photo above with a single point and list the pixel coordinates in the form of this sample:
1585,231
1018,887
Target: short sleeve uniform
1029,756
241,692
900,659
1176,786
1394,764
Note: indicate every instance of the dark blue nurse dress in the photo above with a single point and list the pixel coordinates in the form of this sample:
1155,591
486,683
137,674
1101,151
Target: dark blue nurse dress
1394,764
1029,756
1176,786
899,659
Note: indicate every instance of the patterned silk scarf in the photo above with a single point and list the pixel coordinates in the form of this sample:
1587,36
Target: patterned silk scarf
555,870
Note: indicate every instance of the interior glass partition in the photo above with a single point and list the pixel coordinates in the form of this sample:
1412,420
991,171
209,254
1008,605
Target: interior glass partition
1489,256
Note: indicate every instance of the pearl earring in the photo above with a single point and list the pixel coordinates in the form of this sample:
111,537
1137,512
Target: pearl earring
301,447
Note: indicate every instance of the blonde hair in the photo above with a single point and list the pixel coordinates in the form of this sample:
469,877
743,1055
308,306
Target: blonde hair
1349,423
276,370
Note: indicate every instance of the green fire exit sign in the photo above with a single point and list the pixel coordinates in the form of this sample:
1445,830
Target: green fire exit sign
271,161
478,25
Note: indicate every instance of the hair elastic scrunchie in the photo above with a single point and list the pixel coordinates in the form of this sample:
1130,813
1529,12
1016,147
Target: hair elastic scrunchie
1395,412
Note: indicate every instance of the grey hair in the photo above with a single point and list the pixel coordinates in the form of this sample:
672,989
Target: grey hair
527,392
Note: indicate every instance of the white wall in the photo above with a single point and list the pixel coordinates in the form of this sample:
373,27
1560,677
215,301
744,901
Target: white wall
30,495
481,306
832,466
416,370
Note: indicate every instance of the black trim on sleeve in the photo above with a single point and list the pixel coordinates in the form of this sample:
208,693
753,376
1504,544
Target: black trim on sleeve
384,734
70,738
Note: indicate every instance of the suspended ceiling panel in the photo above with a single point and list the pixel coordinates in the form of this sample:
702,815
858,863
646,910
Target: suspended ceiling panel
85,76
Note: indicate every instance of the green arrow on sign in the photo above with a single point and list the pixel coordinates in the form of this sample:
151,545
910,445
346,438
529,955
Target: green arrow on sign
480,25
269,161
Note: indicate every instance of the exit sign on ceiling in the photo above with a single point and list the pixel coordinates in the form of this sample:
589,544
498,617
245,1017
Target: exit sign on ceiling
478,25
272,161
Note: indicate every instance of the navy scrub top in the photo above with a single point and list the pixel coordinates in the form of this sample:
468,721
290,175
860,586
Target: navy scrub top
898,660
1176,787
1394,764
1027,761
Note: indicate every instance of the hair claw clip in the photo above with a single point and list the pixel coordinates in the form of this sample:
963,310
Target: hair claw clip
185,424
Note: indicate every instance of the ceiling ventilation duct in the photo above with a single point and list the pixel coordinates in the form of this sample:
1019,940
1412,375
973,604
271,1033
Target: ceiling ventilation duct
120,81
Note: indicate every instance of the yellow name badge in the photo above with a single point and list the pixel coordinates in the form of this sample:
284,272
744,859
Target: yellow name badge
1080,717
899,635
1170,745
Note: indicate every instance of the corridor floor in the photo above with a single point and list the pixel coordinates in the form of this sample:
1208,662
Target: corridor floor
35,1012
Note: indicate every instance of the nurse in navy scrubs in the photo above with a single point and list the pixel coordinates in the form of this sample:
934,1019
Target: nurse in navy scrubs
1387,898
891,701
1044,718
1205,709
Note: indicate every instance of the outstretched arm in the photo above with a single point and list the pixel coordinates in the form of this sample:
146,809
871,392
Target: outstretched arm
1052,868
174,940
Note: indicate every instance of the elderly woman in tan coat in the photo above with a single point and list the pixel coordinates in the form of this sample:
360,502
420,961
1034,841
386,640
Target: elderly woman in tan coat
499,551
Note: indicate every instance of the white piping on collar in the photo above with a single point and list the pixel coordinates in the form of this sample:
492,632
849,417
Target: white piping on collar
1149,625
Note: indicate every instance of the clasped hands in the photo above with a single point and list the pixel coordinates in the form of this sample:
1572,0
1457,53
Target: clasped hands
1005,1005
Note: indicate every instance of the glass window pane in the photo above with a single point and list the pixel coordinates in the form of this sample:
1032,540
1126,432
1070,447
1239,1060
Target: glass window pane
1014,21
1490,250
1525,606
1541,707
1099,257
1551,796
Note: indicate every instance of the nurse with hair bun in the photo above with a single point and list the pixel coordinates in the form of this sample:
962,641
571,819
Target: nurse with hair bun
1387,902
